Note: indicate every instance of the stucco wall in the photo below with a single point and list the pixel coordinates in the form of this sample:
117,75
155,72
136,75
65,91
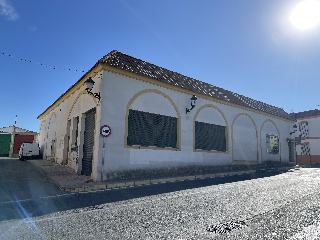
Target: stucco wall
246,130
314,129
54,129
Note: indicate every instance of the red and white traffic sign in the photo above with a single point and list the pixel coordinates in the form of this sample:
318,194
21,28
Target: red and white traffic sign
105,131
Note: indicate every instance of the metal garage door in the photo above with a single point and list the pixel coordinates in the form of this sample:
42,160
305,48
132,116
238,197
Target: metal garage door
5,140
88,142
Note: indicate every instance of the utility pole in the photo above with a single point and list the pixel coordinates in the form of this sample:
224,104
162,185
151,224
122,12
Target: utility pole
13,137
15,123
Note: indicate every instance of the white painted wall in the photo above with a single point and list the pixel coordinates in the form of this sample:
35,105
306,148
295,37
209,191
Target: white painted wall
119,90
54,125
154,103
245,141
211,115
314,129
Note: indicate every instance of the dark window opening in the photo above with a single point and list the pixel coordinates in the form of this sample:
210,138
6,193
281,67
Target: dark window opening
149,129
210,137
77,131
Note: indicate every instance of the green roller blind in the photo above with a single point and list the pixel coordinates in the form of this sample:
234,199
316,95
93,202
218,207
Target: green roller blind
210,137
149,129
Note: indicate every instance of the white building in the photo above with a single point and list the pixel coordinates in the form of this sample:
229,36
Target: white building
159,120
307,133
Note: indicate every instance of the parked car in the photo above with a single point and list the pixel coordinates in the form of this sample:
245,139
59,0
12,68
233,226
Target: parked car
29,150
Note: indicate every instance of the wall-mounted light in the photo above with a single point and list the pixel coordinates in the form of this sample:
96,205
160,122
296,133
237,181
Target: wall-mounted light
88,84
193,104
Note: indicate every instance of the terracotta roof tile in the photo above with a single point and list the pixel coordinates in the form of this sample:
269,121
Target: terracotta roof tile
125,62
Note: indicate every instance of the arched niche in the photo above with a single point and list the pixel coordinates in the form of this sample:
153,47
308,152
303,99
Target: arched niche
83,103
154,101
269,139
210,129
152,121
244,138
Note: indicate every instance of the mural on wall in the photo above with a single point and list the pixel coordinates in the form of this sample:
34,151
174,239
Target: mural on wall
272,144
305,149
304,129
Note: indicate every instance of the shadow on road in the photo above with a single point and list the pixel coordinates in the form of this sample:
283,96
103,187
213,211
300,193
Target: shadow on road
33,207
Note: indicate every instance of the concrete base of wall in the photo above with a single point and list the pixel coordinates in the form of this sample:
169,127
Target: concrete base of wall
191,170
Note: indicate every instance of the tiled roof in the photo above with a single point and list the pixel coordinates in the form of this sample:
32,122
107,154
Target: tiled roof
10,129
306,114
122,61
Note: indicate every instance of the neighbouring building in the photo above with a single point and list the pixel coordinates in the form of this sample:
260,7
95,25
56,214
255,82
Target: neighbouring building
307,135
140,118
11,139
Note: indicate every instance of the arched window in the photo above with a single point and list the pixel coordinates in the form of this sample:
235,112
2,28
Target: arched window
210,130
152,121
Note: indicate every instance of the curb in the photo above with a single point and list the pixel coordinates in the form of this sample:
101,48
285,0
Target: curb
100,186
117,185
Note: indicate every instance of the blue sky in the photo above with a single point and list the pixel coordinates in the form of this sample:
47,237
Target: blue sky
248,47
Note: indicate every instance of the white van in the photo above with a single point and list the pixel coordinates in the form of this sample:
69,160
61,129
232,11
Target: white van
29,150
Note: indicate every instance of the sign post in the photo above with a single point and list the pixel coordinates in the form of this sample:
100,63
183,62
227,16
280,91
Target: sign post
105,132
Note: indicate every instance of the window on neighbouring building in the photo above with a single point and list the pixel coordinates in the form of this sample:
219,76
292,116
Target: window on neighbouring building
210,137
149,129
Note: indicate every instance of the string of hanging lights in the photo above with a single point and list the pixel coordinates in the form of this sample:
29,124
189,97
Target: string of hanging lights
41,64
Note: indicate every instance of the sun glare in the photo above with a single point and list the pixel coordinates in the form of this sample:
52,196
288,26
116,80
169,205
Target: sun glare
306,14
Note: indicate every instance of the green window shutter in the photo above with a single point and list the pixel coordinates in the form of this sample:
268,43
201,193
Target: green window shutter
210,137
149,129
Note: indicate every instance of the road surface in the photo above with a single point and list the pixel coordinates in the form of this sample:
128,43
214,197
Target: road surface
282,206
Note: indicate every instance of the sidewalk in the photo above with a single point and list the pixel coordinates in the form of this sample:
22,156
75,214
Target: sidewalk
67,180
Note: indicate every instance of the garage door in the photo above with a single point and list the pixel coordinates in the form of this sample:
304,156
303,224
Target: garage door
88,142
5,140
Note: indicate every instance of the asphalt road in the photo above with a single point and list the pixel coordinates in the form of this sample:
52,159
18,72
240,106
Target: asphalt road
282,206
26,192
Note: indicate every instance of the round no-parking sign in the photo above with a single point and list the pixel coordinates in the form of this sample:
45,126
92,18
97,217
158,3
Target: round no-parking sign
105,131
